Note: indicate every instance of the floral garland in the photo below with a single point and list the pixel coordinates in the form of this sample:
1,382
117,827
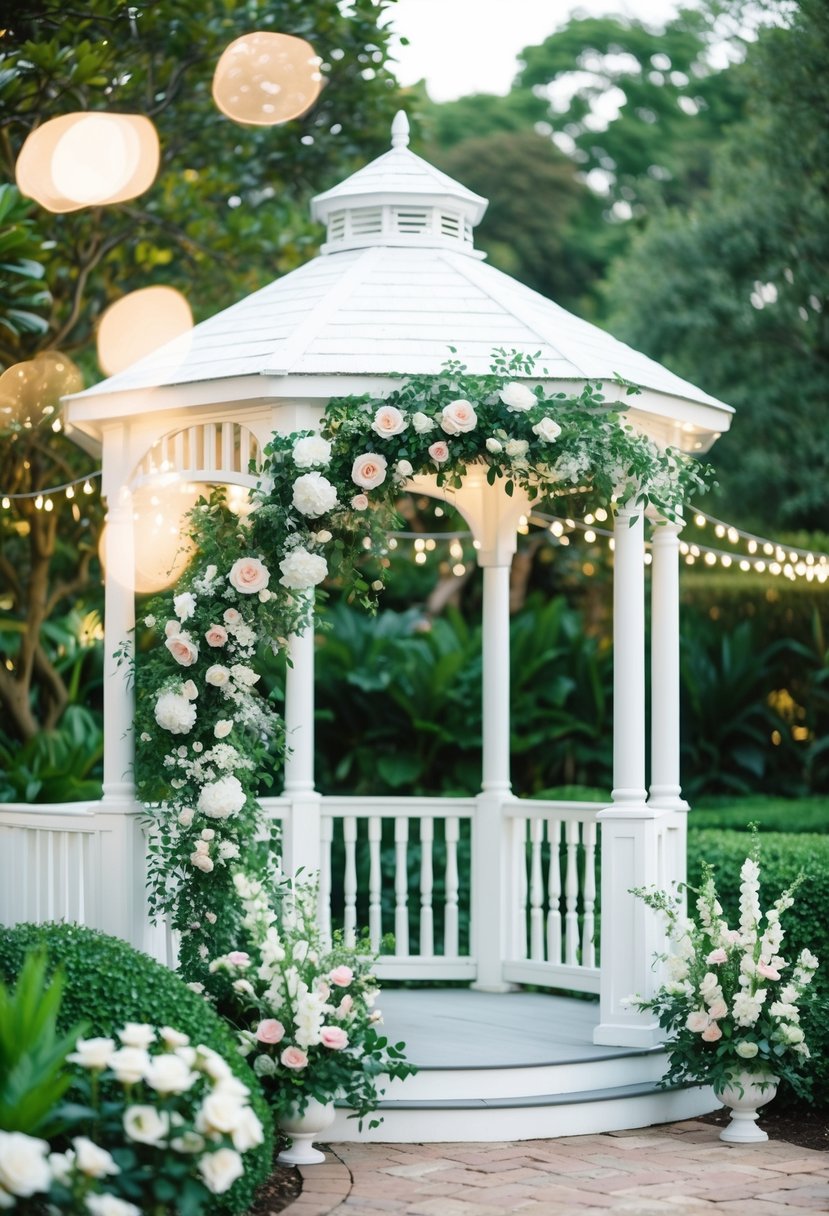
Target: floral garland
205,738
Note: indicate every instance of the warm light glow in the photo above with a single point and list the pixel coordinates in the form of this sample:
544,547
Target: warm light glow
31,391
162,542
138,324
88,159
264,78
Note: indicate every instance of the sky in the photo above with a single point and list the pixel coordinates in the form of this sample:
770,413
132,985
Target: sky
470,46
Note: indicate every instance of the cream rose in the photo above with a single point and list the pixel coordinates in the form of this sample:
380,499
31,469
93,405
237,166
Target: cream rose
217,675
388,421
301,569
547,430
439,452
220,1170
403,469
232,617
746,1050
216,635
314,495
247,1133
517,397
146,1125
697,1021
183,649
248,575
110,1205
517,449
711,1033
458,417
422,423
223,728
92,1053
494,445
369,471
168,1074
359,502
24,1169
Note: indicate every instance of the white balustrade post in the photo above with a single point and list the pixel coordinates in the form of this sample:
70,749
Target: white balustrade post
301,846
665,788
631,836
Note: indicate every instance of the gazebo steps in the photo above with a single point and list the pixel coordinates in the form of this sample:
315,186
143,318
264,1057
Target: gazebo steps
514,1066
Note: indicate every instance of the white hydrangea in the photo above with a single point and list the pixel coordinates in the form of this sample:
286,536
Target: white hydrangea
246,677
175,713
312,451
301,569
223,798
314,495
184,605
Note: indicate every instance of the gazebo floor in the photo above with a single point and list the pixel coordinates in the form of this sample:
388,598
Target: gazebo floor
513,1066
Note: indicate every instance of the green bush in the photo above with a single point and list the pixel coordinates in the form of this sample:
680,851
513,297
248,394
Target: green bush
108,983
770,814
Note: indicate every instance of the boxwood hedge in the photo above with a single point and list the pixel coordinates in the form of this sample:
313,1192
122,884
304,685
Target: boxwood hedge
108,983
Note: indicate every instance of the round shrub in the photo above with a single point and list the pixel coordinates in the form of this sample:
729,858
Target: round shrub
108,983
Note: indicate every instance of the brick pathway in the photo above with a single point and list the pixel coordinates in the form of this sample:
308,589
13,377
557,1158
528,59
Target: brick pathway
677,1168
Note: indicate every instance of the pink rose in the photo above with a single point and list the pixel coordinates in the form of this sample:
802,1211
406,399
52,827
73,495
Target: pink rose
216,635
249,575
239,958
717,956
359,502
458,417
711,1033
697,1021
183,650
271,1031
718,1009
293,1057
345,1006
231,616
439,451
369,471
172,629
341,976
388,421
333,1037
767,971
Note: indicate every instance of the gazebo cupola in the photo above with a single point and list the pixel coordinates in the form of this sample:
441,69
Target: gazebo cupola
399,199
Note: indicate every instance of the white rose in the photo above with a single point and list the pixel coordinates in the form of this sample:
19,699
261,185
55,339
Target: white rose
146,1125
169,1075
547,430
92,1053
388,421
185,817
458,417
202,862
745,1049
369,471
223,798
220,1170
791,1034
217,675
220,1112
517,397
172,628
264,596
312,451
149,621
173,712
223,728
247,1133
61,1165
301,569
249,575
314,494
403,469
494,445
323,536
91,1160
129,1064
137,1034
697,1021
517,449
422,423
170,1036
213,1064
189,690
24,1169
190,1142
110,1205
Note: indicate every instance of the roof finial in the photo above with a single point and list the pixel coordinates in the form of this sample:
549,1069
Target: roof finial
400,130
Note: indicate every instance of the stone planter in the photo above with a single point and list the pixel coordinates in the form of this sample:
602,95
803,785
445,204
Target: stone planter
302,1130
745,1094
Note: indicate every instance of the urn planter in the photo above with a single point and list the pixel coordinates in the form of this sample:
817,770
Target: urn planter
745,1094
302,1129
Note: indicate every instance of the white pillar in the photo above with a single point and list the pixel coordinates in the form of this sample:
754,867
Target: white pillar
301,848
496,681
631,832
119,624
665,787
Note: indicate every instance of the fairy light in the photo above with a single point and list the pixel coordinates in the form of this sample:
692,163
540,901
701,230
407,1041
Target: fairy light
47,491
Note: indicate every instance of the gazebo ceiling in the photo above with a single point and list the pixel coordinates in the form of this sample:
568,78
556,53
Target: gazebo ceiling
397,283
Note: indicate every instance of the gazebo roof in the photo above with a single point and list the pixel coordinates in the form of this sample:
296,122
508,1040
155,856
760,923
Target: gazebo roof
397,283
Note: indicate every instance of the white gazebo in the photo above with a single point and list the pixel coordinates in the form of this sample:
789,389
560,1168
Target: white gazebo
397,282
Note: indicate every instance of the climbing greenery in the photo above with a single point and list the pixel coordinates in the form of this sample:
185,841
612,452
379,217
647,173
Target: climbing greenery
205,737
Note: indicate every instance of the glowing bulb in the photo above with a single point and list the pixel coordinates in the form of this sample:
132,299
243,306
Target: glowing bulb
719,531
733,535
726,560
48,505
87,487
745,565
430,544
392,542
752,546
420,557
419,545
588,519
768,548
601,514
459,569
710,559
648,558
556,527
438,512
6,503
699,520
590,536
39,502
70,491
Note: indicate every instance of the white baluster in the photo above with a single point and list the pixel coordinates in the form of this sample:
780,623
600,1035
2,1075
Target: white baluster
227,447
209,440
326,837
401,886
588,946
375,882
554,892
193,433
350,880
519,886
427,926
451,830
244,449
536,892
178,447
571,895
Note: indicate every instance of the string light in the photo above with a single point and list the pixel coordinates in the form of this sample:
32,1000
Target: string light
68,486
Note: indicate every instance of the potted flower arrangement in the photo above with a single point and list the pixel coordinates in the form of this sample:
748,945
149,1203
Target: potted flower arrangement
305,1015
731,1002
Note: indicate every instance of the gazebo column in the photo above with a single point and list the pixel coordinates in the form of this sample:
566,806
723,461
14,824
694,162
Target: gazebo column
631,831
301,827
665,790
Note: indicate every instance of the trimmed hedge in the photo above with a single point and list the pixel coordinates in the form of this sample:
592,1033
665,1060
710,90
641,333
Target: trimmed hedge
108,983
770,814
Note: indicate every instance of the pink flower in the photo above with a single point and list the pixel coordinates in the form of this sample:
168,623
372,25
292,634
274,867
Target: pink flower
359,502
172,629
711,1033
216,635
293,1057
458,417
231,616
270,1031
345,1006
718,1009
767,971
439,451
239,958
697,1021
184,651
249,575
368,471
333,1037
717,956
388,421
341,976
